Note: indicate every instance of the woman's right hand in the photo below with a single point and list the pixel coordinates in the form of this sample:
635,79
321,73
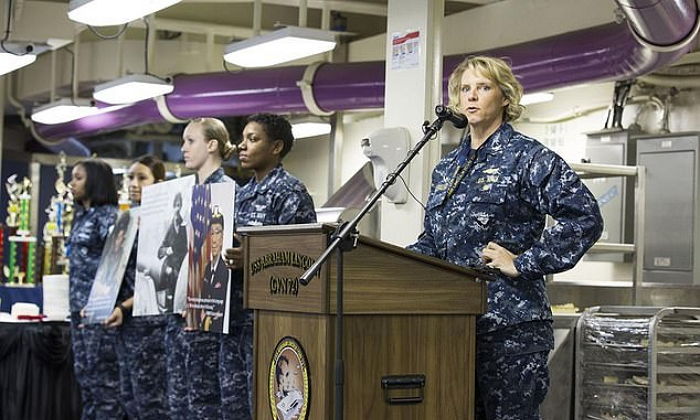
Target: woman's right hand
233,257
115,319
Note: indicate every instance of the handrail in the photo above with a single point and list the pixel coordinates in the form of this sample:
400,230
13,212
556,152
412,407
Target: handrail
597,170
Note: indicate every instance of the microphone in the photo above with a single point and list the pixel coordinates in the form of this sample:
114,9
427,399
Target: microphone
456,118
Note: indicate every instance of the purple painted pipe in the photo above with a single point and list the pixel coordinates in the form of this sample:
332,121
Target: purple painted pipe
71,147
336,87
601,53
143,112
656,21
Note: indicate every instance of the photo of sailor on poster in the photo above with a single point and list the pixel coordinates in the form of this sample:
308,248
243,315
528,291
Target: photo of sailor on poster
110,272
161,261
208,290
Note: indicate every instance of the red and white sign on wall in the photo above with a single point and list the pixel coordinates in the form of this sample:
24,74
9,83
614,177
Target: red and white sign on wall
405,51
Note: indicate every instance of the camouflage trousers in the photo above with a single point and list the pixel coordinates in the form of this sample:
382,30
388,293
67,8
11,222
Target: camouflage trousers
236,369
140,352
511,386
202,367
175,371
95,365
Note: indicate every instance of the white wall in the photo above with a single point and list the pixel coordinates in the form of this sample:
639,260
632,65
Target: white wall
356,127
308,161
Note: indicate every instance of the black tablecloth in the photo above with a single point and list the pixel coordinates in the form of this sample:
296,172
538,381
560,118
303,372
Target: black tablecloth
36,372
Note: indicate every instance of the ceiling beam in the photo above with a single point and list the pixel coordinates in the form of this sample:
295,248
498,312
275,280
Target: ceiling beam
194,27
336,5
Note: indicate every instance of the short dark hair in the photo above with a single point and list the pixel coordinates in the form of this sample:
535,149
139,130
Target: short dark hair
100,187
154,164
277,128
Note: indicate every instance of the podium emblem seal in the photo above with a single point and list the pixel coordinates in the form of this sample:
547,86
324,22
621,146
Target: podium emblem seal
288,385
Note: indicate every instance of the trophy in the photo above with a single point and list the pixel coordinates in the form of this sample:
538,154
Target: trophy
57,228
22,249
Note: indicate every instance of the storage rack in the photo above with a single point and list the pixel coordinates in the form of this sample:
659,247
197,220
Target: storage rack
635,363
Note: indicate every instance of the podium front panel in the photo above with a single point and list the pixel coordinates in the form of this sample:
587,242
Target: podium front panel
273,265
438,348
314,334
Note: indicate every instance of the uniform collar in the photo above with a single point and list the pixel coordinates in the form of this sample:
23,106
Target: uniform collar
215,177
267,182
496,142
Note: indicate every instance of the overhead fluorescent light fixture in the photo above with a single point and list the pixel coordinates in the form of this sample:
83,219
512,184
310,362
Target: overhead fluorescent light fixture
10,62
64,110
113,12
536,98
132,88
303,130
287,44
15,55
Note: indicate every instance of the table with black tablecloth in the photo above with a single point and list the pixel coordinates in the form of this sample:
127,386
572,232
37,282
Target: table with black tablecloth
36,372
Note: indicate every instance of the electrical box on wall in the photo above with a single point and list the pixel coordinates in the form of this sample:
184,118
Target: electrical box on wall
615,195
671,213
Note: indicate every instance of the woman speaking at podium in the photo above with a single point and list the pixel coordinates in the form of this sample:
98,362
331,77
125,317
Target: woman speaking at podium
487,205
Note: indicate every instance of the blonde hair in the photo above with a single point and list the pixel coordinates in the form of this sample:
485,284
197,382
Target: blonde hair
214,129
496,70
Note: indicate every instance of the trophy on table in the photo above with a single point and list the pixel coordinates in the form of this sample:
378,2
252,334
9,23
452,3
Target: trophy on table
20,268
57,228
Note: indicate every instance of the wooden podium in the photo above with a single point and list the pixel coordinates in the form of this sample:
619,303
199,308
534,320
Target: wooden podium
409,329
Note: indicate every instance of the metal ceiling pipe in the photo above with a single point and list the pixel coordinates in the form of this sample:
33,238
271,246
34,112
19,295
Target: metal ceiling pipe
654,21
662,31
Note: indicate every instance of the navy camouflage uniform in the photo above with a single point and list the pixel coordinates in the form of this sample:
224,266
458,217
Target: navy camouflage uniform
279,199
140,350
176,383
94,354
508,189
202,357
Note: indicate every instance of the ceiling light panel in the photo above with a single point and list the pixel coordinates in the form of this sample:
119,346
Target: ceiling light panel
10,62
280,46
113,12
310,129
132,88
536,98
63,110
